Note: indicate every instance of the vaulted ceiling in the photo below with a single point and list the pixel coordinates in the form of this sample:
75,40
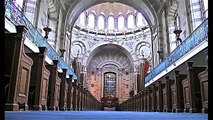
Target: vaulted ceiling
150,8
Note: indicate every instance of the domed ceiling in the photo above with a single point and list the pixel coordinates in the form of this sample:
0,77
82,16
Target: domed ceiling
111,9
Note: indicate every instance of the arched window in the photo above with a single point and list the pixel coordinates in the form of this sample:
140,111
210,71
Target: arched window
196,14
144,21
82,19
111,23
139,20
172,38
28,7
101,22
91,21
19,3
205,3
130,21
109,84
120,22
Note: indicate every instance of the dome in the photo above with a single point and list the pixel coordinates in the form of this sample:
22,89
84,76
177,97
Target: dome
111,19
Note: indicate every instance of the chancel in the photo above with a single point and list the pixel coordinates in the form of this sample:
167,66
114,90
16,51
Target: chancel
149,56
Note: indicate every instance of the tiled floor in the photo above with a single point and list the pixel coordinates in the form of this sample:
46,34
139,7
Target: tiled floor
101,115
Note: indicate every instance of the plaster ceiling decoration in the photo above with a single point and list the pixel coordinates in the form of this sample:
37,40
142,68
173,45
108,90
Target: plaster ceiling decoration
111,9
149,7
78,47
143,50
109,55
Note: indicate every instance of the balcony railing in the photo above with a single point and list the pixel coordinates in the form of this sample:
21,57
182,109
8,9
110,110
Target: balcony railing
197,37
17,18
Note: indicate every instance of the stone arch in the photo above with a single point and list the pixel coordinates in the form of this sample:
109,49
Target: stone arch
110,58
144,6
99,48
81,45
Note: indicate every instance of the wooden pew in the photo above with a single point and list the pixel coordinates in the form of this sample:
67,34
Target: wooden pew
153,98
81,97
145,99
78,97
53,87
191,89
137,103
203,76
167,105
84,100
142,100
63,91
159,96
39,80
69,93
74,96
16,71
177,92
149,99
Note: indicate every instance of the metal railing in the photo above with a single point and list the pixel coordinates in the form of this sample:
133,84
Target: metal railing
17,17
198,36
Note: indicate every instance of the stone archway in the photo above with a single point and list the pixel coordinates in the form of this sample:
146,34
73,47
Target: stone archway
110,58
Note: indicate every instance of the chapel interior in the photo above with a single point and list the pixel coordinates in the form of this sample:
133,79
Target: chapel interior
129,55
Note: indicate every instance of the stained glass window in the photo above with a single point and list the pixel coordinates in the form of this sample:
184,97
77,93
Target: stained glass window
109,84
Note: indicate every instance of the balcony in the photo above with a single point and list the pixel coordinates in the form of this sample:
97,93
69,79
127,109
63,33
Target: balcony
17,18
195,40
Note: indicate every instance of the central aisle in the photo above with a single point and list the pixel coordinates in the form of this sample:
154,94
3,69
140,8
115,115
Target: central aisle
101,115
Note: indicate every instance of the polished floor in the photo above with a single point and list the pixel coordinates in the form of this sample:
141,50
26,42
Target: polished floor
101,115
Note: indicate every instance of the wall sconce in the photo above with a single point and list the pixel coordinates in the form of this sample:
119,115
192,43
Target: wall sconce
160,52
177,33
47,30
62,52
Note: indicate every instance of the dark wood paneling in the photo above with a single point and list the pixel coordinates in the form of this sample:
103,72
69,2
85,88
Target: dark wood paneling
39,79
191,89
203,76
16,71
